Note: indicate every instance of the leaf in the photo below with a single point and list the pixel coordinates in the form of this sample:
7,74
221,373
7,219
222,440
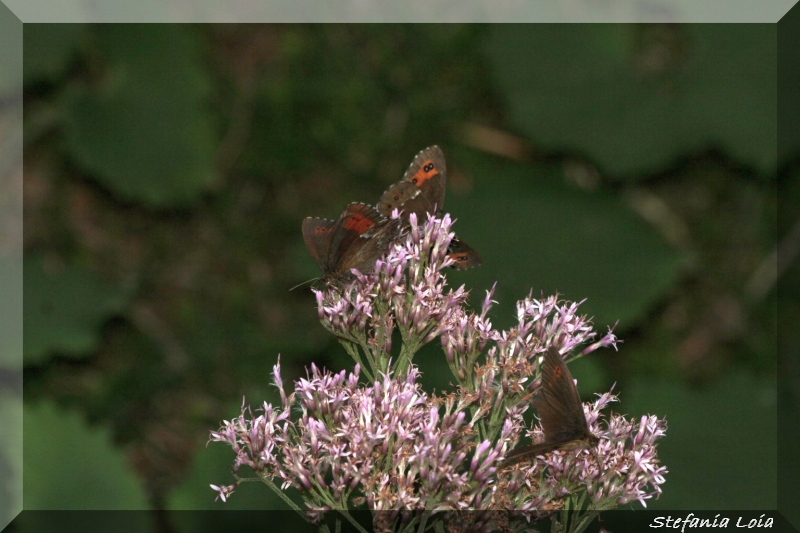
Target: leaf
536,233
721,446
49,49
577,88
71,466
63,310
146,132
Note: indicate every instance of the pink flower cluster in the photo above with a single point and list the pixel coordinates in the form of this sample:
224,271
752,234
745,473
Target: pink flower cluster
406,290
624,466
389,444
384,443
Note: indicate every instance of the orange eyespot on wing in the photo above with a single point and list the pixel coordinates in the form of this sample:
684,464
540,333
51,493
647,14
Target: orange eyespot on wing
425,172
421,192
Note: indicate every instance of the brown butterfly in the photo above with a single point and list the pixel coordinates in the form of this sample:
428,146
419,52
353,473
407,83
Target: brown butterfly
560,412
421,191
358,238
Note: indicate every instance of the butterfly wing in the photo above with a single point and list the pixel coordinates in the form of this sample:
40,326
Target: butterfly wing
558,403
464,256
360,237
421,191
560,413
523,453
398,196
317,233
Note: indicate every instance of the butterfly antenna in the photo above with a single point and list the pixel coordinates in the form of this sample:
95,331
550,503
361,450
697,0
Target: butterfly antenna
301,284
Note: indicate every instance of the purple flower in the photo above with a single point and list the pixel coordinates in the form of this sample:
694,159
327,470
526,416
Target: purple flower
623,467
406,290
223,492
374,437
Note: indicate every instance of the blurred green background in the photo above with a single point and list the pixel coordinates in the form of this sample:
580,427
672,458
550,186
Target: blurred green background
168,168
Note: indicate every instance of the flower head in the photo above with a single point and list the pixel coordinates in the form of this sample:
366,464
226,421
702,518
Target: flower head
223,492
406,290
621,468
373,436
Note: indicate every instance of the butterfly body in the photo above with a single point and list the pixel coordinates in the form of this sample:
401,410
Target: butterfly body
560,413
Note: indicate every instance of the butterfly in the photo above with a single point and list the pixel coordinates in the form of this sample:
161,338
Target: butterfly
560,412
421,191
358,238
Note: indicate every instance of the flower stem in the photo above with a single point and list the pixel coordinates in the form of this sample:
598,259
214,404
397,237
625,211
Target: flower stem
282,495
352,350
352,520
585,521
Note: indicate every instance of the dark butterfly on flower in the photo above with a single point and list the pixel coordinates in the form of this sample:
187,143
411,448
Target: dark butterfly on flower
358,238
421,191
560,412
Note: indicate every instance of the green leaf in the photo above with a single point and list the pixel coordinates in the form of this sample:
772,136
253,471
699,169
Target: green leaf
578,88
49,49
64,309
721,446
71,466
146,131
536,233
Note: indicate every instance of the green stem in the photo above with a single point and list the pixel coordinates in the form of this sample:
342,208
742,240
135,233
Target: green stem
495,422
565,515
423,521
555,523
409,526
373,359
579,503
411,346
382,309
585,521
352,350
352,520
282,495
